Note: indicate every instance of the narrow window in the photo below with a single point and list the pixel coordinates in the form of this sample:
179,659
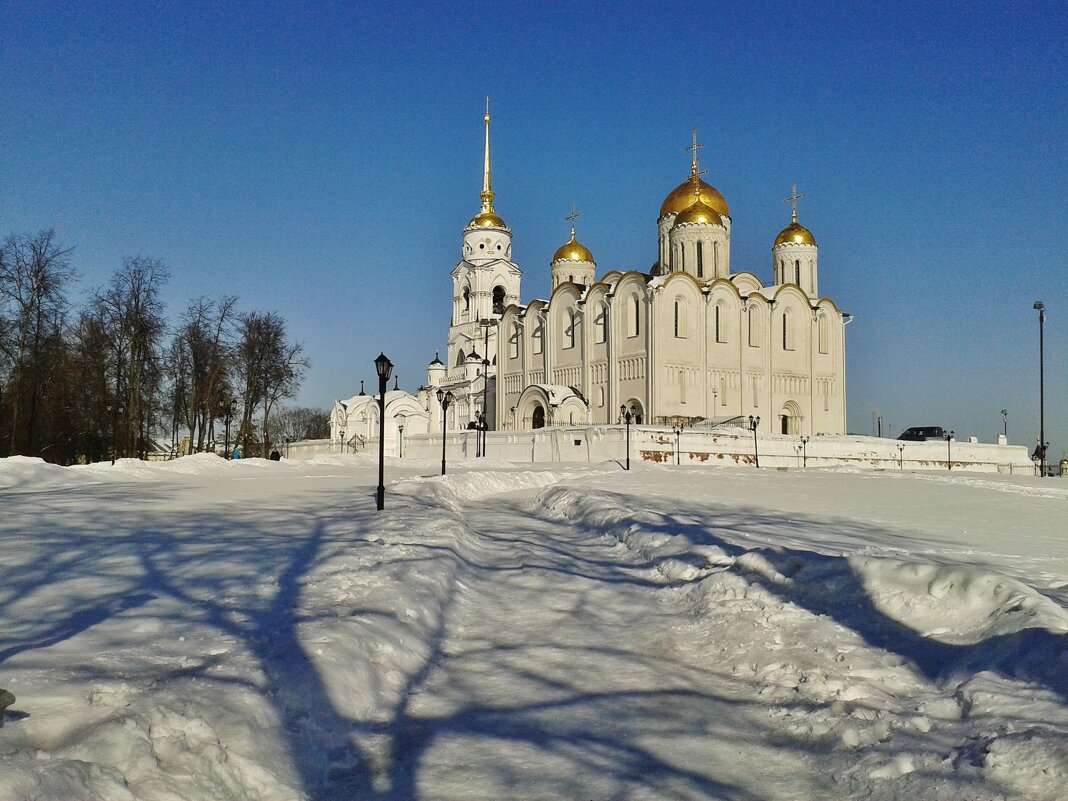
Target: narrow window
700,260
467,298
823,333
635,328
797,271
569,330
498,300
676,318
719,333
513,343
785,323
539,337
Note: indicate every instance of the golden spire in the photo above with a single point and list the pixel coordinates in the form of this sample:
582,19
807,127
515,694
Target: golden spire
487,184
794,197
572,217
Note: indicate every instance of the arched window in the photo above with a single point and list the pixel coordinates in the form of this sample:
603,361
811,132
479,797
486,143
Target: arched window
513,342
568,338
467,298
538,338
797,271
461,357
537,420
788,334
700,260
754,326
680,318
600,325
682,257
715,258
634,327
498,299
721,321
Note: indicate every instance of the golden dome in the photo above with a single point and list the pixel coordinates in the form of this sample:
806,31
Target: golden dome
699,213
796,234
486,219
573,251
681,198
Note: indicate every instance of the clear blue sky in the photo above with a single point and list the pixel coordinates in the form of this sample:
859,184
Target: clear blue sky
320,160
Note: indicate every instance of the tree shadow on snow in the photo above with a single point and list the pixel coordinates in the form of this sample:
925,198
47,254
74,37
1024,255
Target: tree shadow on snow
827,585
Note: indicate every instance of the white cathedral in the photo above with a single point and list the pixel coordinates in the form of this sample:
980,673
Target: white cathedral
690,342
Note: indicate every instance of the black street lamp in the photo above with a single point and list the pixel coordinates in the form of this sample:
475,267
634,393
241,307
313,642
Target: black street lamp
804,450
753,423
1041,308
384,367
485,390
678,437
445,399
231,403
625,414
483,426
901,456
1005,423
112,416
949,449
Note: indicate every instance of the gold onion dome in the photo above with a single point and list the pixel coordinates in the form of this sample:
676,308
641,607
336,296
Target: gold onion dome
681,198
486,219
573,251
698,213
795,234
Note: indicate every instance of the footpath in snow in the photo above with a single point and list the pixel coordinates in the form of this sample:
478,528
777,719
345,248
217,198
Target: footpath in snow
256,630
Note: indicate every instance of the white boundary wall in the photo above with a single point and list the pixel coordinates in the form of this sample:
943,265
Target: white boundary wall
694,446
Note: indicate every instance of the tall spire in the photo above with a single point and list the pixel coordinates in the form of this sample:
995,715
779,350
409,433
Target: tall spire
487,183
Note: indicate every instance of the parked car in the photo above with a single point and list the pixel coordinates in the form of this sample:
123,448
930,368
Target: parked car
921,433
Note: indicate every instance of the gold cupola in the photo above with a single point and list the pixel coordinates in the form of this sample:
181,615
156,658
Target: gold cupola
697,213
573,250
487,218
794,233
682,196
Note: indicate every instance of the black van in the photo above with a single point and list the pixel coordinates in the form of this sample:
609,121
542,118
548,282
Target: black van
921,433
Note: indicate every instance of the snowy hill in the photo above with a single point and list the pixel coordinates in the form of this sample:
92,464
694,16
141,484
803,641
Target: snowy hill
256,630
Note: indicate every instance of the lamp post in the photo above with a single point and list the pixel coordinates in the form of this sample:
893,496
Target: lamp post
384,367
804,450
1005,423
1041,308
625,414
715,394
112,416
485,391
901,456
753,423
341,445
678,439
483,426
400,436
445,399
949,449
230,404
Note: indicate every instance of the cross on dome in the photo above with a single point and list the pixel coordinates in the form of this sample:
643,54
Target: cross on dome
572,217
794,197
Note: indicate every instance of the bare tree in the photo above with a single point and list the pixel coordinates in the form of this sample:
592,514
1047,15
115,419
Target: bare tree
200,362
132,315
270,369
34,273
298,423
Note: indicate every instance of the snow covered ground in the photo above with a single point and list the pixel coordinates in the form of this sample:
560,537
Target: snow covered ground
256,630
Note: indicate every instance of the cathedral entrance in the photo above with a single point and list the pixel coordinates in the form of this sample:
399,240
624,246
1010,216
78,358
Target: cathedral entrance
790,418
537,419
